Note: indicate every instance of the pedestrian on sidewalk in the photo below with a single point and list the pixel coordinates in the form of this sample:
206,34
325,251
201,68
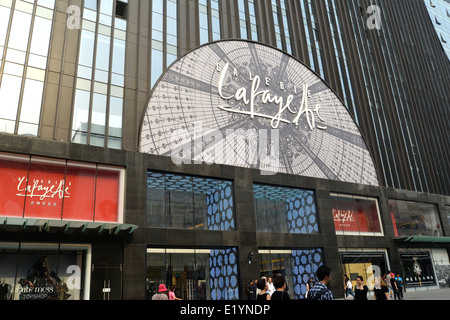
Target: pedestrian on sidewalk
320,290
381,290
348,286
361,289
399,283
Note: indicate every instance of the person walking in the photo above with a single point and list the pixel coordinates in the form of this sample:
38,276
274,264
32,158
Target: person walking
172,295
320,290
161,294
399,283
389,284
361,289
348,286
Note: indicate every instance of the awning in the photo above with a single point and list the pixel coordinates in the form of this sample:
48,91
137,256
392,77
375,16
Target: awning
424,239
45,225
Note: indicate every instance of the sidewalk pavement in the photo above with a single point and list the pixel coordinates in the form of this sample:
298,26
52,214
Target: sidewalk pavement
419,294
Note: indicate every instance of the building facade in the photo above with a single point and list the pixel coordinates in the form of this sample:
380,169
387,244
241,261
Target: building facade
111,113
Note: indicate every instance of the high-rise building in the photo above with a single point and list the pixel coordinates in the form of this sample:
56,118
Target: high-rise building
202,144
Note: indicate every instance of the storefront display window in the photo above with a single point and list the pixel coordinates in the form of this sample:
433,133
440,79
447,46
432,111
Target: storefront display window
285,210
355,215
41,188
188,202
417,267
366,263
32,271
414,218
195,274
297,266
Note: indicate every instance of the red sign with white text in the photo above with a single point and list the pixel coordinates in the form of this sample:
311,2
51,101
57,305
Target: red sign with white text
59,190
355,215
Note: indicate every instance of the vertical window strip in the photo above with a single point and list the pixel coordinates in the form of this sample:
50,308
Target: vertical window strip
344,72
305,16
98,103
243,18
281,25
316,40
25,33
209,20
164,37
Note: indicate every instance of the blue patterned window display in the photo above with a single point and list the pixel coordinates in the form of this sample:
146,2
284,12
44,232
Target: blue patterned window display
196,274
223,271
296,265
188,202
285,210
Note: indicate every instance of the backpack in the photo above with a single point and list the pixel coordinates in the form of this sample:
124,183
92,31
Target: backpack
318,295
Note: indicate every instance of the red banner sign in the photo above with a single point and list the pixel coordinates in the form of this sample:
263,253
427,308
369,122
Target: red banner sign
60,190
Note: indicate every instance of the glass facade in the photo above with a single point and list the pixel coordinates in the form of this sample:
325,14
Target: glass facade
247,20
43,272
414,218
297,266
354,215
281,25
209,20
99,96
285,210
25,32
164,41
194,274
188,202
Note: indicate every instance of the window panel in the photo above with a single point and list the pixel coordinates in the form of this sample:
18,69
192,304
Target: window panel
356,215
20,31
41,36
185,202
103,50
10,91
31,103
285,210
98,113
87,48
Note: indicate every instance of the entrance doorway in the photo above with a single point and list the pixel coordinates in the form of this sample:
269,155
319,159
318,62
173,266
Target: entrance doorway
106,283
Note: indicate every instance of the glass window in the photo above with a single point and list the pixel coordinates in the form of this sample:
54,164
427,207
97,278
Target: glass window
286,210
87,48
43,272
414,218
20,31
41,36
297,266
354,215
186,202
194,274
10,91
107,49
369,264
418,270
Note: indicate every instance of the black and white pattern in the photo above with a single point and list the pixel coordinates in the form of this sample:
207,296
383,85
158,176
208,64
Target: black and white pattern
187,98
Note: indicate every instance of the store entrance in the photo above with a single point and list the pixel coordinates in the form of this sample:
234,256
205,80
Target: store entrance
106,283
369,265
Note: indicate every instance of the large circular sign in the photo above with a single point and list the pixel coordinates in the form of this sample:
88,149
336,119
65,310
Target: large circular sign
245,104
